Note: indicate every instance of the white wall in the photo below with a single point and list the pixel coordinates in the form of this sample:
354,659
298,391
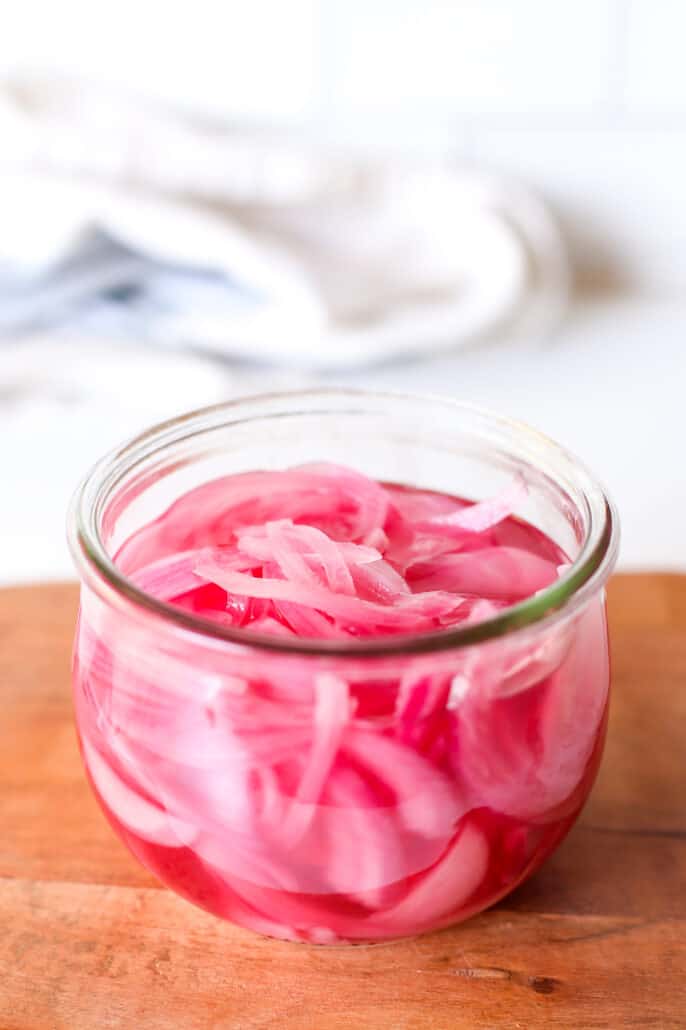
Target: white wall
584,98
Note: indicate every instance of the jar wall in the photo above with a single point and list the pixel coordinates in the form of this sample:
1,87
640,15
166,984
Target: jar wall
337,799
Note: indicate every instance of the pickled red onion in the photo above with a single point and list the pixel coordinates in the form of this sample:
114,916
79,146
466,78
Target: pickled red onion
332,801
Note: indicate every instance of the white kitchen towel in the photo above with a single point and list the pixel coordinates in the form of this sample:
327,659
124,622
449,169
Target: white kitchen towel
121,218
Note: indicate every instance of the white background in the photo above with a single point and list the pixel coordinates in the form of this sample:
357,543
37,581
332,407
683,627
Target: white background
584,99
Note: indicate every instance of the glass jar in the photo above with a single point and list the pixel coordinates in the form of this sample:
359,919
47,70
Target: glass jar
277,782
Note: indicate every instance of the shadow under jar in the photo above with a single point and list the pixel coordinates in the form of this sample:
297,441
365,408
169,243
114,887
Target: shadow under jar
341,790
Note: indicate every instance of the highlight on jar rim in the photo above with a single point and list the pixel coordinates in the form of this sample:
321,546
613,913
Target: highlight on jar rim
341,667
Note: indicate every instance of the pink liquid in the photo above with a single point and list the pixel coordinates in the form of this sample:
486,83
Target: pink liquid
341,799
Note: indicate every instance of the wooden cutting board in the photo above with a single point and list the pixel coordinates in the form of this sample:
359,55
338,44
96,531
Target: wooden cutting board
597,939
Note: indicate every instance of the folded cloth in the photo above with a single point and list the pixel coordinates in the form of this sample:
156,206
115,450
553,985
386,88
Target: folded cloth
124,219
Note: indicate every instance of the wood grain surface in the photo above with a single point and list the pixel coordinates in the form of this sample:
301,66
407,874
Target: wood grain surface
596,939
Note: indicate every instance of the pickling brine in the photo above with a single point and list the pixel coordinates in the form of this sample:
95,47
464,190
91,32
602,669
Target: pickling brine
285,777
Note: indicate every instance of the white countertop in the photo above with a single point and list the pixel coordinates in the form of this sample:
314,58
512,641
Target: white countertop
610,387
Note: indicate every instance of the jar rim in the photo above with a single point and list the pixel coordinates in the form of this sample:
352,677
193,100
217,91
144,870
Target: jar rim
586,574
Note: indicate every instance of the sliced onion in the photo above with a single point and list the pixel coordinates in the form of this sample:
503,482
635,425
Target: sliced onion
495,573
338,798
477,518
446,887
133,811
414,611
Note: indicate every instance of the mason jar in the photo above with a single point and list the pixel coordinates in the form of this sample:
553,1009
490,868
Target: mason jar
279,782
